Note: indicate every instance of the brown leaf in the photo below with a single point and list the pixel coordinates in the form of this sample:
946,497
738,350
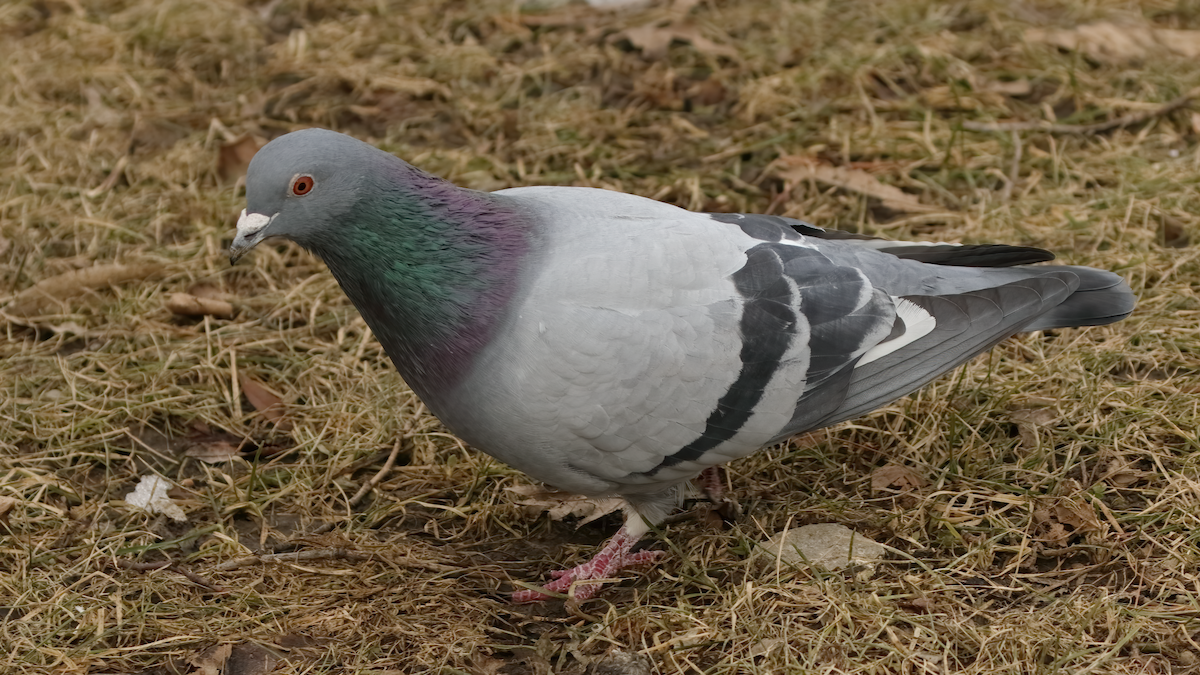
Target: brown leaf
804,168
186,304
653,40
1029,436
413,86
896,476
1029,419
296,641
949,98
53,292
486,665
6,504
1039,416
207,291
1126,477
250,659
212,662
234,158
1056,534
1021,87
266,402
559,505
1061,518
766,646
1174,233
216,452
1114,43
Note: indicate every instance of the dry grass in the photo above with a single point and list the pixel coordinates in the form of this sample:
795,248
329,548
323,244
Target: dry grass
1055,531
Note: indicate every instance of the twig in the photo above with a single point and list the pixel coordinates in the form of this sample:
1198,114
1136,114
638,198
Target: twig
1086,129
172,567
328,554
298,556
367,487
378,477
143,566
111,180
1014,170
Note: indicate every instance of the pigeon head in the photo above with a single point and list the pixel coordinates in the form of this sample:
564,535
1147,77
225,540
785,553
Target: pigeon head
300,184
430,266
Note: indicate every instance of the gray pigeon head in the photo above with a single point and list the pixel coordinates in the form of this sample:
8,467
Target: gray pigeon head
299,184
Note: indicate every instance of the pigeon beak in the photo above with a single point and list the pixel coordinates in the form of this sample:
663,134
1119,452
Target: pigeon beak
250,227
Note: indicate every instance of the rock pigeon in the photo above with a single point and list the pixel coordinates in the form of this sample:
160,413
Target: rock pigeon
611,345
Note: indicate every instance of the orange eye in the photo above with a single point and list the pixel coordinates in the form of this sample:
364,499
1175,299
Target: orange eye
302,185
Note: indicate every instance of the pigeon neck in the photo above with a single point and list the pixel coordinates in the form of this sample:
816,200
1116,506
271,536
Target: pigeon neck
431,267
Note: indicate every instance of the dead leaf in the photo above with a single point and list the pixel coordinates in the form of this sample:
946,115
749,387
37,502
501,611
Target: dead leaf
1173,232
1122,474
1021,87
1060,519
804,168
922,605
1114,43
1039,416
250,659
950,98
654,39
766,646
6,504
896,476
296,641
265,401
186,304
207,291
1029,419
216,452
212,662
234,158
560,505
413,86
616,4
53,292
486,665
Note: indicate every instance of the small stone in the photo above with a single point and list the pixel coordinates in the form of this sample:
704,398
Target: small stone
621,663
826,545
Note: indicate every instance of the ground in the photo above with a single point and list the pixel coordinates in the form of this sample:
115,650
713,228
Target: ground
1040,505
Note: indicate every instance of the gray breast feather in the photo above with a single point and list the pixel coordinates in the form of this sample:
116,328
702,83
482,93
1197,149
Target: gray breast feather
636,376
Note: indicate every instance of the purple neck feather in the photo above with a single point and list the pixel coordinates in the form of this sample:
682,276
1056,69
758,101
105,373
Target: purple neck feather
433,268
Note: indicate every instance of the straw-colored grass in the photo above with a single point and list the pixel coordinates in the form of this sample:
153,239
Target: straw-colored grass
1056,527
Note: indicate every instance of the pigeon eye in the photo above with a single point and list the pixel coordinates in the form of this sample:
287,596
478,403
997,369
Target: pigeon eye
302,185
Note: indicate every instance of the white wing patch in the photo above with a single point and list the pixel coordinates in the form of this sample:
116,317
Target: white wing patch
884,244
798,241
917,324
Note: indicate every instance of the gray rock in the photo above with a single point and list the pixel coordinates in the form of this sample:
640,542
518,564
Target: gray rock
621,663
827,545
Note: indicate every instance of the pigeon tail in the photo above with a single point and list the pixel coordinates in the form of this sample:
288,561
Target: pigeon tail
1102,298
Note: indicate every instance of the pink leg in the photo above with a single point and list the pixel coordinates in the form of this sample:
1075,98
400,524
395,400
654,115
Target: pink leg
712,482
613,557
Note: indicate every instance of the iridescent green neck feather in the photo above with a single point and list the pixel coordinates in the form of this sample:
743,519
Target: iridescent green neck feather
431,267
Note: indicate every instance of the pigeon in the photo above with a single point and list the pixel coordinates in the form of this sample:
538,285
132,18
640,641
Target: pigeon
612,345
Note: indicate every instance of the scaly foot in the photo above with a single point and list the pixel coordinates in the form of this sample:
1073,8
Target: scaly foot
613,557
